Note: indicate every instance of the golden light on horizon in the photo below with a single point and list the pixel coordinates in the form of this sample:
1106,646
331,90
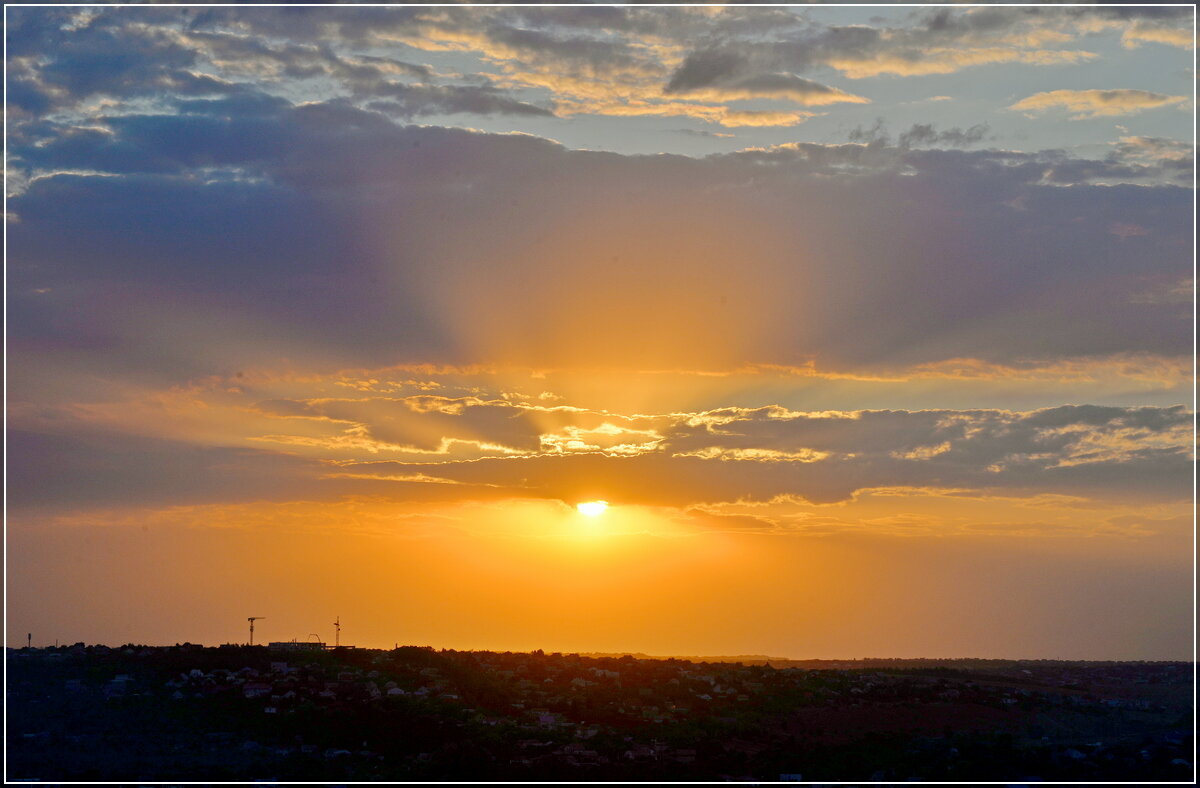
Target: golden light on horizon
592,508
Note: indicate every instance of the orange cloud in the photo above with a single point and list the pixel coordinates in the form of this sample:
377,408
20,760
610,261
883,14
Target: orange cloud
1139,34
710,113
781,89
1096,103
948,60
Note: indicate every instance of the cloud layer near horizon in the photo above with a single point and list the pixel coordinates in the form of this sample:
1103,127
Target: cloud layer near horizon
438,448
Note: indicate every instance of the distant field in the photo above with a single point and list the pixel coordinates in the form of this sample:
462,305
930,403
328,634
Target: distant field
242,713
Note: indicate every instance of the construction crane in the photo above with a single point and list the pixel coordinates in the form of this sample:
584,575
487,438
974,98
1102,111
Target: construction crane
252,619
337,632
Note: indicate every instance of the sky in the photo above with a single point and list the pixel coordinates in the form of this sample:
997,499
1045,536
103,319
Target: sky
872,325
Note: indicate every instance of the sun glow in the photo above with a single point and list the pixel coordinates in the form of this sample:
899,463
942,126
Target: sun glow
592,508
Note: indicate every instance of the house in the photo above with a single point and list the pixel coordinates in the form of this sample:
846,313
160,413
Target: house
297,645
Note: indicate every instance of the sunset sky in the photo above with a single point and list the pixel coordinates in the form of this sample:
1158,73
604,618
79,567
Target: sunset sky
873,326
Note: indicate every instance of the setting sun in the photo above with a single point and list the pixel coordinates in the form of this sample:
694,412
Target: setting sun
592,508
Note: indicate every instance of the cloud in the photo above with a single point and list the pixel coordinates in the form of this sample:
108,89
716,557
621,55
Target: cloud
923,62
267,60
922,43
705,68
703,133
453,428
709,113
407,101
621,62
422,424
694,263
921,134
121,55
715,75
1096,103
1142,33
221,442
84,468
181,215
926,134
682,480
775,86
760,454
1155,153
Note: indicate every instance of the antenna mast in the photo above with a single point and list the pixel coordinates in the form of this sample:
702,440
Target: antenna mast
337,632
252,619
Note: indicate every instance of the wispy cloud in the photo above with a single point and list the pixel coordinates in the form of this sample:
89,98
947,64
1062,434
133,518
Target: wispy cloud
1096,103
